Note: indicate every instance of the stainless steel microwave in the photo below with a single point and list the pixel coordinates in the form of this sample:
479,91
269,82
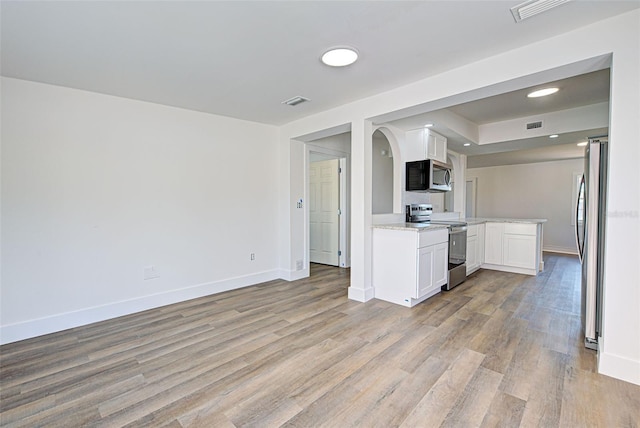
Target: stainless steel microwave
428,176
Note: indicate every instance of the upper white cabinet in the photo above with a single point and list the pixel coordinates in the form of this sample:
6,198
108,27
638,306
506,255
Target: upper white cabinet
436,146
423,144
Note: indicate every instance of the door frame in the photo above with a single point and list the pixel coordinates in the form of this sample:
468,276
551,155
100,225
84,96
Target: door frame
474,195
344,260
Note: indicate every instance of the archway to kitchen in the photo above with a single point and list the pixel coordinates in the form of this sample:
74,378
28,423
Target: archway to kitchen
386,173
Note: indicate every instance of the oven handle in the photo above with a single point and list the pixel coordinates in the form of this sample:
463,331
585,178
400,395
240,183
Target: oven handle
457,229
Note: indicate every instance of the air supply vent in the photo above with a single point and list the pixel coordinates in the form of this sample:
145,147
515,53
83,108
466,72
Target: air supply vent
295,101
533,7
534,125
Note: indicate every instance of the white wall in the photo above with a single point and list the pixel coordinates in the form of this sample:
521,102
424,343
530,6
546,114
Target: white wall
615,42
382,175
96,187
535,190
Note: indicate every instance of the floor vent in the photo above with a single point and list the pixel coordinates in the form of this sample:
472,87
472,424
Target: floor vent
534,125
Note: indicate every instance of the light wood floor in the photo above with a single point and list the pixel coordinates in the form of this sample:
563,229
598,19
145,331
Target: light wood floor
499,350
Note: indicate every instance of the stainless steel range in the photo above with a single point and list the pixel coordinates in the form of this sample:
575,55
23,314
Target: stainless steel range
421,213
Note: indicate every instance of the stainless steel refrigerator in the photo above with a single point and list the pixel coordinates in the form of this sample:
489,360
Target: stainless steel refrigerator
590,231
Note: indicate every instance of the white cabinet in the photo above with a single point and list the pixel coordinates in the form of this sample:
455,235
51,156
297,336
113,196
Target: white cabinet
425,270
441,264
409,266
423,144
475,247
493,243
513,247
519,245
436,146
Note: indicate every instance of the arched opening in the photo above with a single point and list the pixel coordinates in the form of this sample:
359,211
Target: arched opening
381,175
386,172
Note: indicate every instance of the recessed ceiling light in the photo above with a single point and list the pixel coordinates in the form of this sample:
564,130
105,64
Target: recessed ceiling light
340,57
467,144
553,136
582,144
428,125
542,92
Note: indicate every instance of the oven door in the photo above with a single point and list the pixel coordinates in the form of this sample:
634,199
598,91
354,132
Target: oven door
457,245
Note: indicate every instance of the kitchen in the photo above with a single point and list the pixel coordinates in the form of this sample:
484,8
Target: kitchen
512,240
516,187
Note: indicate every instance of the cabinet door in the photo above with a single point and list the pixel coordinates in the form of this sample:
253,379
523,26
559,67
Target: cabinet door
437,148
472,253
519,251
493,243
480,244
415,145
425,270
440,264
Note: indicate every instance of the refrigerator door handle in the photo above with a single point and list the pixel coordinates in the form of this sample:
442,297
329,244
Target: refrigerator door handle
579,244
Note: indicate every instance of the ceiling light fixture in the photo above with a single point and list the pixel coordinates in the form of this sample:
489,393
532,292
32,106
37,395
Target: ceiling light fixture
582,144
553,136
542,92
340,57
466,144
428,125
533,7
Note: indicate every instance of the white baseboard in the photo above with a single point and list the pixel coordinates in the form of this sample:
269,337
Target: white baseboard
360,294
619,367
38,327
561,250
511,269
293,275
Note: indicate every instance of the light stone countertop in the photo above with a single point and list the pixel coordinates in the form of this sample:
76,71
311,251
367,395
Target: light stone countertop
505,220
470,221
413,227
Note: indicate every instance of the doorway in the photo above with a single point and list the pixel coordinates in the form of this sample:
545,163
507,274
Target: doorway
324,212
328,194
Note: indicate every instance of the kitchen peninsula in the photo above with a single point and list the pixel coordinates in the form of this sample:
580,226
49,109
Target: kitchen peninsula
410,260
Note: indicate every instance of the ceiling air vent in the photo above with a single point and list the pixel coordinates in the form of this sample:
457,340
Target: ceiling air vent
533,7
534,125
295,101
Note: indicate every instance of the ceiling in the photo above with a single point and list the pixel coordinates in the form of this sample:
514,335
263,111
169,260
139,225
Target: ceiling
578,91
242,59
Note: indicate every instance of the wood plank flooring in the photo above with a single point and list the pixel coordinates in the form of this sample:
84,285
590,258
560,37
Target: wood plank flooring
499,350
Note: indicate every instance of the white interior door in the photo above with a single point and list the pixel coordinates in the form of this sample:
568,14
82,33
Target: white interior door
324,214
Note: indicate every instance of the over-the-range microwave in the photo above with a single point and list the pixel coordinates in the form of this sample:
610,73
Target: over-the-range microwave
428,176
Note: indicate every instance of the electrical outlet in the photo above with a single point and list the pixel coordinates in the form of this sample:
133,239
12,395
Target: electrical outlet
299,265
150,272
253,256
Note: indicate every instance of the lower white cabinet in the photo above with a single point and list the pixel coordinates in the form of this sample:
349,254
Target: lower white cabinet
475,247
513,247
409,266
519,250
493,243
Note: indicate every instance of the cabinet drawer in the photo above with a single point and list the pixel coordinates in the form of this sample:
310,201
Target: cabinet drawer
520,229
432,237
